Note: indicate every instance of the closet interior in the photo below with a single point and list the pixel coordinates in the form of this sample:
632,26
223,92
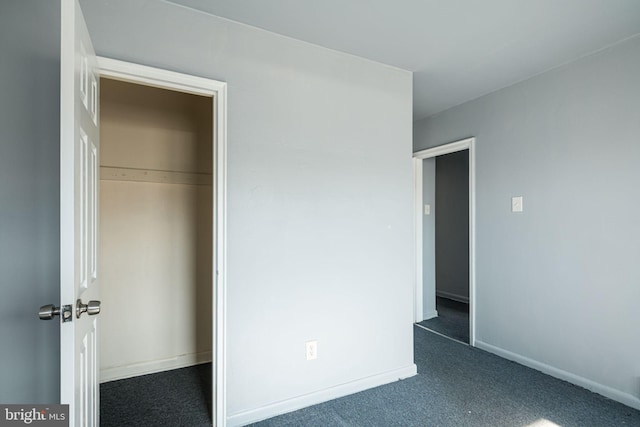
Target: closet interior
156,229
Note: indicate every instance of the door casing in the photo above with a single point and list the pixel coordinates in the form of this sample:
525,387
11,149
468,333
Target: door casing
418,157
216,90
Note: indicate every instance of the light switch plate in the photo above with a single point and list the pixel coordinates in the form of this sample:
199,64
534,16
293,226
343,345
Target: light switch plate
516,204
427,209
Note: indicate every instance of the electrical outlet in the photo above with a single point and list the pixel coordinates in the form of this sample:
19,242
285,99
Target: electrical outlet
312,349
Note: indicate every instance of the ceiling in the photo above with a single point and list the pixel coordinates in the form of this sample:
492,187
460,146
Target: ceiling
458,49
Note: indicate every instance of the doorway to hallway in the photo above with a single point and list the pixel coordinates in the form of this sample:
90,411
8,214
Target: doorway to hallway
444,185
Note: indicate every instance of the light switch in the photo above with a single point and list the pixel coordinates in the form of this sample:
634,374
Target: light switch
516,204
427,209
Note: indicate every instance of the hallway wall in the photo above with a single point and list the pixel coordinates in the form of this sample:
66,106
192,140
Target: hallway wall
452,226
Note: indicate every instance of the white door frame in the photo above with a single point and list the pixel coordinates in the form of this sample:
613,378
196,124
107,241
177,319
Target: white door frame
418,157
149,76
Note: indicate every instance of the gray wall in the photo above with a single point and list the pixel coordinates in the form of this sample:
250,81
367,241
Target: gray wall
29,193
559,283
429,239
452,226
320,196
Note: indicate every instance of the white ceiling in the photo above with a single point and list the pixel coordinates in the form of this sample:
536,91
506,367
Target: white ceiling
457,49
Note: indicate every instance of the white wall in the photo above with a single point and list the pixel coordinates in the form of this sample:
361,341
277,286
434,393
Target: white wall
157,287
557,285
156,237
319,201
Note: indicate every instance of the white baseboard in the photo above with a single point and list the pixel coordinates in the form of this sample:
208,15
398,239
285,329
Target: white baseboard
611,393
293,404
429,315
455,297
134,370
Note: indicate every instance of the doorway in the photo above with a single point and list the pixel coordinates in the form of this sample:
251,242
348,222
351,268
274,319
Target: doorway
155,227
444,194
162,180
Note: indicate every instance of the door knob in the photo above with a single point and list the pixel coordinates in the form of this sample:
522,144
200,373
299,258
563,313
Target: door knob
49,311
91,308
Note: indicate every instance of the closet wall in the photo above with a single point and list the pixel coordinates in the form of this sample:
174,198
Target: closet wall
156,229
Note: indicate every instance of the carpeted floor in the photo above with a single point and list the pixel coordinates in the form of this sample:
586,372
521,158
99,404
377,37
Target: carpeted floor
452,320
181,397
456,386
459,386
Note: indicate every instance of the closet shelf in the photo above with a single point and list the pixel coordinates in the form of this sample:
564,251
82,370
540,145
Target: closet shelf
109,173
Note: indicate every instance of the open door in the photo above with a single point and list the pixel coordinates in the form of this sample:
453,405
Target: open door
79,169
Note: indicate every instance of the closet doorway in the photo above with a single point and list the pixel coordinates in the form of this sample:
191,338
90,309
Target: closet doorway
156,229
162,228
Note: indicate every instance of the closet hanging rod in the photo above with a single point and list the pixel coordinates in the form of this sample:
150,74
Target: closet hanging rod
110,173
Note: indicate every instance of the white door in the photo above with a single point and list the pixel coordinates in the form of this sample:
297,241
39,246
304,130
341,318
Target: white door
79,169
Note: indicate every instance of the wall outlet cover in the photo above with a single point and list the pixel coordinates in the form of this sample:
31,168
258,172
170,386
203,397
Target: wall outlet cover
311,348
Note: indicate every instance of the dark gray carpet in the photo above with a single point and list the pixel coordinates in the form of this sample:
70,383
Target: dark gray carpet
452,320
456,385
460,386
181,397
